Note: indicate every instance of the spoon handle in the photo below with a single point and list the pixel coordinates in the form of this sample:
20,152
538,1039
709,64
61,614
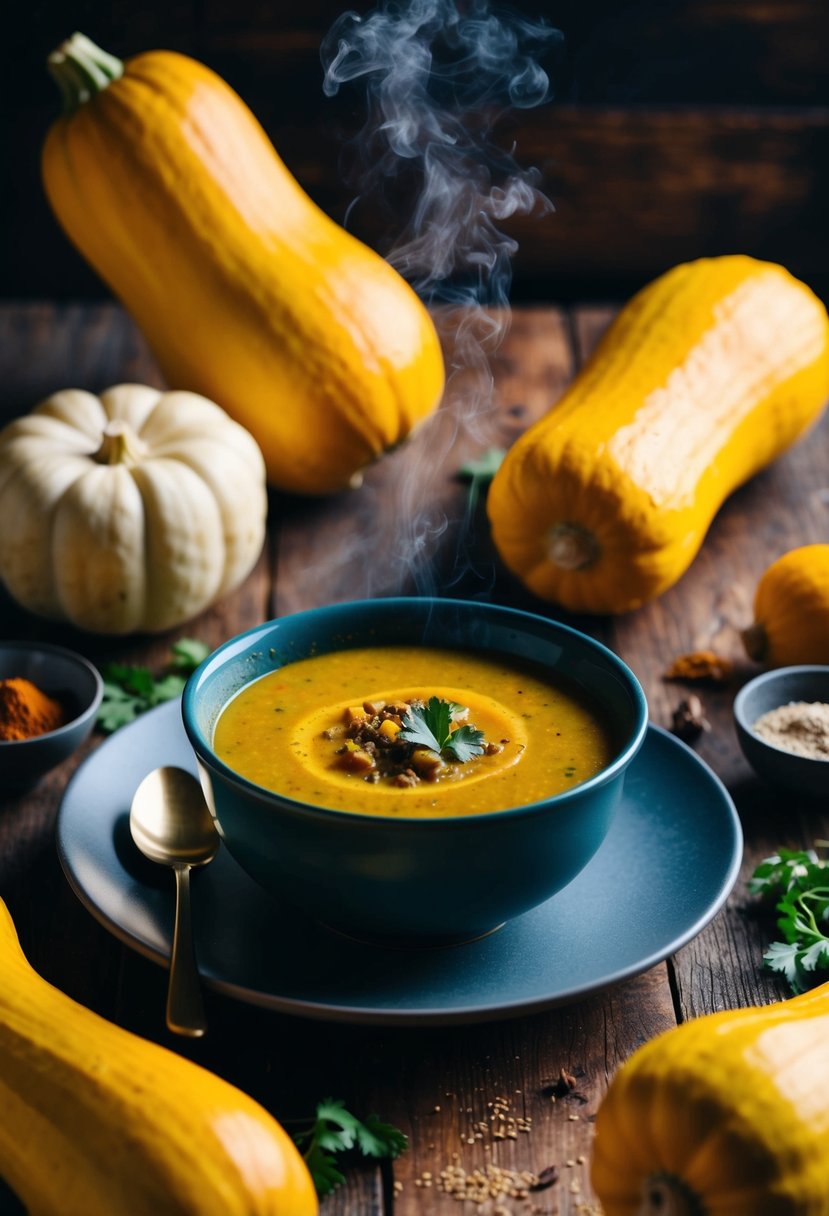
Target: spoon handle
185,1007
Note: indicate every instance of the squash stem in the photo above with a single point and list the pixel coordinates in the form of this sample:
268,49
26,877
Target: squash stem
755,641
664,1195
119,445
81,70
571,547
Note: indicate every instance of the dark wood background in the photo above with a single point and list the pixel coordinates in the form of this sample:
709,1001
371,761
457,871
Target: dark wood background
679,128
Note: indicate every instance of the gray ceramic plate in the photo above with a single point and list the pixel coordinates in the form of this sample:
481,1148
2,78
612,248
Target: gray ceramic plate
667,865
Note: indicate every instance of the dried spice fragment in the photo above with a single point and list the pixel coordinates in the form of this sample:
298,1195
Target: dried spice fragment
703,666
546,1177
688,720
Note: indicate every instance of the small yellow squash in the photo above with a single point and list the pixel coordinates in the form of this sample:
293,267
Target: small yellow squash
95,1121
130,511
246,291
705,377
791,610
724,1116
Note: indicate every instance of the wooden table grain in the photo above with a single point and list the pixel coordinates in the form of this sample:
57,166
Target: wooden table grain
410,528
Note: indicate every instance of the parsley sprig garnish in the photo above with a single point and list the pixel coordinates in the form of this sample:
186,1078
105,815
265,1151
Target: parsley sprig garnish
335,1130
480,472
430,726
798,881
130,691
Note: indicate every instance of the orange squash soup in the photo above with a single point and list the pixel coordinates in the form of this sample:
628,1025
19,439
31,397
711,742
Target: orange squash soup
412,731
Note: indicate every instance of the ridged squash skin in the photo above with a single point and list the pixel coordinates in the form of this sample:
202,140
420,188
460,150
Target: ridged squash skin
791,610
132,511
95,1121
245,290
727,1115
704,378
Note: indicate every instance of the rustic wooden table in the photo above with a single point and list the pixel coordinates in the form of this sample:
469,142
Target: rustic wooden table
408,528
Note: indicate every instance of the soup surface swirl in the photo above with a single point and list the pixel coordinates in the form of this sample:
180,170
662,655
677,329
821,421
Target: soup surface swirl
293,731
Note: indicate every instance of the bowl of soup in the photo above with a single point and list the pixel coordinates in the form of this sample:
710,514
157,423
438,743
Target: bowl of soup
413,769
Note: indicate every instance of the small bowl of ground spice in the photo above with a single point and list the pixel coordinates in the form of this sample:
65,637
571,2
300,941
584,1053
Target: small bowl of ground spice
782,722
49,697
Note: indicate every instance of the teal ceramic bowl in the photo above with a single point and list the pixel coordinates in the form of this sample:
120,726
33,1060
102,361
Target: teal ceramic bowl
441,880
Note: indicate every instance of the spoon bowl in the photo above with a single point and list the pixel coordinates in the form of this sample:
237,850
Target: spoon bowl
170,824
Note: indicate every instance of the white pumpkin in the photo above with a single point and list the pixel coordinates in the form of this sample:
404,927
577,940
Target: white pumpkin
130,511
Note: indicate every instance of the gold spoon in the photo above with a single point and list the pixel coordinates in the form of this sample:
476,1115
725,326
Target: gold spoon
170,824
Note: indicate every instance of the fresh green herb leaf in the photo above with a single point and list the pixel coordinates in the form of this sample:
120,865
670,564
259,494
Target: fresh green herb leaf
130,691
479,473
427,725
798,883
377,1139
168,687
780,872
188,653
465,743
324,1173
430,726
117,708
336,1130
484,467
135,681
781,956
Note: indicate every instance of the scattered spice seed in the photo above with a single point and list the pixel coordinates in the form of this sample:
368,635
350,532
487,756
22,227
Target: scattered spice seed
484,1186
492,1182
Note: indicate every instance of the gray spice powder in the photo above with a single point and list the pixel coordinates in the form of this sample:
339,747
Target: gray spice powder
801,727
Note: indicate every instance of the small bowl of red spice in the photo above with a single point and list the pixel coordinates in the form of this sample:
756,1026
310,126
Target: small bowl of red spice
49,698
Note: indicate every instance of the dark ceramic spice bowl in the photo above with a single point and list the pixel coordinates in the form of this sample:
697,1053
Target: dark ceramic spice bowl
69,678
784,769
435,880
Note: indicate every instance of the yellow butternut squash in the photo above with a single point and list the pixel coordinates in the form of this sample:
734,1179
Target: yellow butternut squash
246,291
705,377
724,1116
95,1121
791,610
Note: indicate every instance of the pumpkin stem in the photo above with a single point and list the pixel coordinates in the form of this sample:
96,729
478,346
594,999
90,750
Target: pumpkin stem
665,1195
119,445
755,641
571,547
81,70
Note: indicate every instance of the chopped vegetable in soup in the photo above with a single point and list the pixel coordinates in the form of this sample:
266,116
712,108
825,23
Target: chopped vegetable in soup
412,731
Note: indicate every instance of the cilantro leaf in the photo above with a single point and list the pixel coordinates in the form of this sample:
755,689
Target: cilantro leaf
782,956
117,708
130,690
816,957
167,688
780,872
484,467
419,726
480,472
431,726
798,882
465,743
188,653
324,1173
337,1130
378,1139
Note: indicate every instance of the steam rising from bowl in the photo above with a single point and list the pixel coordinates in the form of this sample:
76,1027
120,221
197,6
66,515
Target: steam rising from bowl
436,80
